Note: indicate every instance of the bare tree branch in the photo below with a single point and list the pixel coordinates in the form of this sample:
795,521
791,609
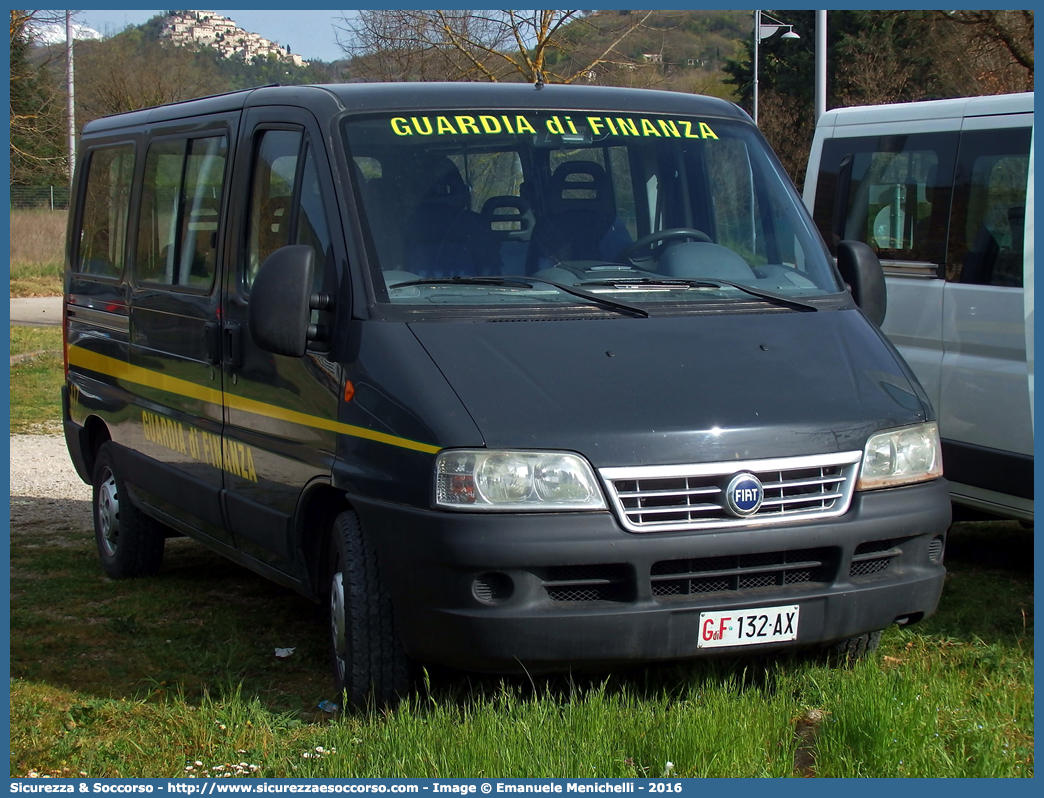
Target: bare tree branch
465,45
1014,29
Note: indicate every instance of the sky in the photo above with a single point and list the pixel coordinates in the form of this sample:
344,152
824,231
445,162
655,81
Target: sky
310,34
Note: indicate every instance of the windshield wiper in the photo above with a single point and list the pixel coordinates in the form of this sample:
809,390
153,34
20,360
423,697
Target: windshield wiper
516,282
713,282
510,282
761,293
612,304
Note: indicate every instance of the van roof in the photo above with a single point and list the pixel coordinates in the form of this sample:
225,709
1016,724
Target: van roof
332,98
930,109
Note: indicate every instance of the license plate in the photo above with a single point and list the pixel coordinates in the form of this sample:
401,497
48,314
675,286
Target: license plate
748,627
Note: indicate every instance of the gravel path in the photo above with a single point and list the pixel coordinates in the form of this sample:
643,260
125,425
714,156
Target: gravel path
46,493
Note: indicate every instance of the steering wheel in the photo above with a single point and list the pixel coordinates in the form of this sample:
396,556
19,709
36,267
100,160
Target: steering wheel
667,234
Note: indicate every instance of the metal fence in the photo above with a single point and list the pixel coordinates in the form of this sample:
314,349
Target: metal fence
55,198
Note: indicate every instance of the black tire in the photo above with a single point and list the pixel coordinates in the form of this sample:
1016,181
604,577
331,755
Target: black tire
369,662
856,648
130,543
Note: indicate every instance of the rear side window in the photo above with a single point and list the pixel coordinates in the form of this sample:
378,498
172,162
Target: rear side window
180,209
106,205
989,208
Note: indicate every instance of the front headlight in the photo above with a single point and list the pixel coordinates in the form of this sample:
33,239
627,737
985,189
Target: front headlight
900,457
478,479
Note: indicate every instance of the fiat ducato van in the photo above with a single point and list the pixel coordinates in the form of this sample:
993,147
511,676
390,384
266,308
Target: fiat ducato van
942,192
510,377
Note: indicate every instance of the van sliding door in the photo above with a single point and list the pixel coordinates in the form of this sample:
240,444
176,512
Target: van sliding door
176,278
984,358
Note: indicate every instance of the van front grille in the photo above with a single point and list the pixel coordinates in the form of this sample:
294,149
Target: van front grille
666,498
610,582
700,576
873,557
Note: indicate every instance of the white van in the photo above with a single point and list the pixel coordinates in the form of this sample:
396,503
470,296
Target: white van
943,192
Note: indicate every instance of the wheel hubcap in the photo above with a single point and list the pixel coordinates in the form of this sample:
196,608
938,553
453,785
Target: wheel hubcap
108,512
337,624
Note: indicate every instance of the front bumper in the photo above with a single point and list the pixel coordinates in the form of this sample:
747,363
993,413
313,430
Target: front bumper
507,592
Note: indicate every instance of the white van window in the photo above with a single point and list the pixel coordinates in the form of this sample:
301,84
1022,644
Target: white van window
891,192
989,212
180,209
106,204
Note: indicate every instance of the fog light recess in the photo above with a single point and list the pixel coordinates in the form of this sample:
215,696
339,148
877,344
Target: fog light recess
493,588
935,549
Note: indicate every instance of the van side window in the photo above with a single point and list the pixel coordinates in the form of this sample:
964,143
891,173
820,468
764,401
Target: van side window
275,172
620,175
106,205
312,228
180,208
738,222
891,192
989,209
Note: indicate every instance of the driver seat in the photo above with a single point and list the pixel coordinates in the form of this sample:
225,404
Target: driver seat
579,220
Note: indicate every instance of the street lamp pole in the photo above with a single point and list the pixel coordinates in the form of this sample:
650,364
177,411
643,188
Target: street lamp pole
71,96
762,30
757,43
821,70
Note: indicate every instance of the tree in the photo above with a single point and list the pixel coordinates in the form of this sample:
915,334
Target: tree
881,57
130,71
1012,30
527,46
998,46
38,155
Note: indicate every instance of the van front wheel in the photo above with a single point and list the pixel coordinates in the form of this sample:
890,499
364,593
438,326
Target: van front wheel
368,659
856,648
130,543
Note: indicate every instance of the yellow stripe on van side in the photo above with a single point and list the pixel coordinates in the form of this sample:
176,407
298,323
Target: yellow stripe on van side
121,370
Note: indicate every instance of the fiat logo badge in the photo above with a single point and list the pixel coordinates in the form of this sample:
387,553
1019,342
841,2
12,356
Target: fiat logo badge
744,495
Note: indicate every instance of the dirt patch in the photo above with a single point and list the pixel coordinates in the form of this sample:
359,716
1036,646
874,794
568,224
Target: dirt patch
48,500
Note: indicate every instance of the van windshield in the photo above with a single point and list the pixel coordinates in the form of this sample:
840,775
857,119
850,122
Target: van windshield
487,208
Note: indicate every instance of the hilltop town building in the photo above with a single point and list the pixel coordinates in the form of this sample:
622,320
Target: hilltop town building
213,30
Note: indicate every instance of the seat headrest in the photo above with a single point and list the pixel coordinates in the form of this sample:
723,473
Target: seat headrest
580,185
439,182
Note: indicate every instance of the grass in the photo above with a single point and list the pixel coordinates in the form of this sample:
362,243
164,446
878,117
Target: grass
37,252
177,675
148,677
36,379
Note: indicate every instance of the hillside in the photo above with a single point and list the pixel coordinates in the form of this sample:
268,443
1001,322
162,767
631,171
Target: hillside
172,58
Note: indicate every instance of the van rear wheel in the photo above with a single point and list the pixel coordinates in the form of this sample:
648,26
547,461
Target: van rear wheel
130,543
369,662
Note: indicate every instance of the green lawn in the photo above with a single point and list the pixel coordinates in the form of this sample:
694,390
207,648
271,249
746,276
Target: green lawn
36,379
147,677
37,252
150,677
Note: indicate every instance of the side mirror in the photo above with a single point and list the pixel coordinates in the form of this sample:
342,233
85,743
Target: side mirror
280,301
861,270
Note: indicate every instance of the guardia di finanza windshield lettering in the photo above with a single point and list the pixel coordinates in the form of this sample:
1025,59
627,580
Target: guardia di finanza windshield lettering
519,124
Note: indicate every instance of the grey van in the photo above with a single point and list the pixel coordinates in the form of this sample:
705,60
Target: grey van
510,377
942,192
